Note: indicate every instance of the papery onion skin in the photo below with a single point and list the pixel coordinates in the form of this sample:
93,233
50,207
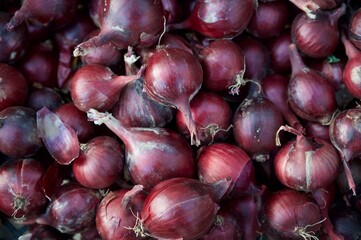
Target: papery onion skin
115,214
21,195
219,19
255,124
222,160
289,214
213,117
99,163
13,87
180,208
18,134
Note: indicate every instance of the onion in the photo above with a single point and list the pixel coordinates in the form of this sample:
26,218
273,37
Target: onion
289,214
213,117
96,86
269,19
20,193
72,209
219,19
223,66
354,28
72,116
311,6
116,211
256,56
316,34
275,89
55,14
18,134
96,11
13,87
223,160
135,108
100,162
310,94
44,97
173,77
306,164
255,124
14,44
351,76
59,139
278,53
124,23
317,130
344,135
173,10
40,58
152,154
346,222
43,232
180,208
66,39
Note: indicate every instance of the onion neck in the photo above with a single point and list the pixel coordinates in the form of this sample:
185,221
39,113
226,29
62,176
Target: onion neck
118,82
128,196
337,13
297,63
18,18
307,6
191,125
94,42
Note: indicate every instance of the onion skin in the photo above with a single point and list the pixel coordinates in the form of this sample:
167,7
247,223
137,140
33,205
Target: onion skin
181,208
278,53
222,160
115,214
100,162
213,117
219,19
13,87
18,134
354,29
21,195
14,44
255,124
306,164
44,97
317,37
173,76
289,214
311,95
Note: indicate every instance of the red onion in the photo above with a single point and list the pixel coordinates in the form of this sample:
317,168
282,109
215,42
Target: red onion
255,124
96,86
346,222
135,108
152,154
306,164
37,32
39,65
43,232
223,66
107,54
223,160
96,11
44,97
345,135
256,56
278,53
59,139
116,211
13,87
289,214
14,44
124,23
173,10
219,19
311,6
66,39
72,116
100,162
180,208
317,130
52,13
20,193
275,89
351,76
173,77
18,134
317,34
269,19
354,28
310,94
72,210
213,117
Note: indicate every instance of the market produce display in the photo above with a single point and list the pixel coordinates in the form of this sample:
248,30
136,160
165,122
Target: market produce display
180,119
